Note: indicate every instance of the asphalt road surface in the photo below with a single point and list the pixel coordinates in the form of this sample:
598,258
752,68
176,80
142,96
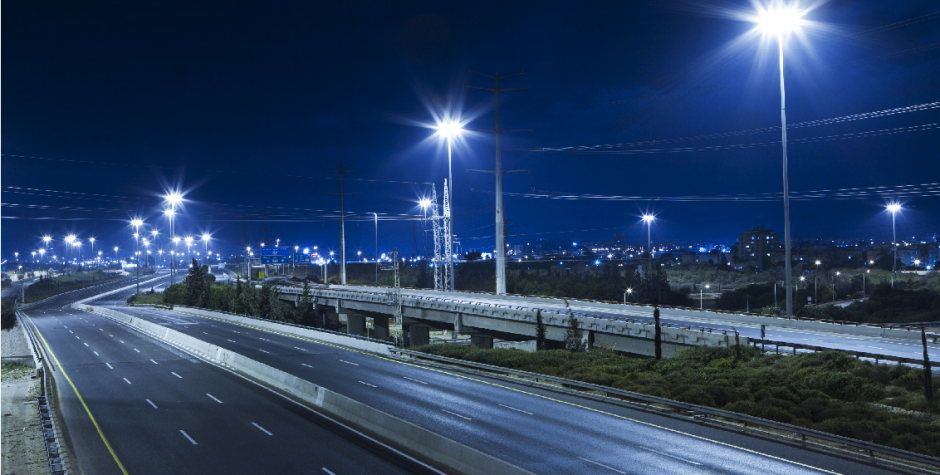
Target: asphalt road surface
159,411
538,430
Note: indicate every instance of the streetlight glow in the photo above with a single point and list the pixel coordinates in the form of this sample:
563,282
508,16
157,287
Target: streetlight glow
780,20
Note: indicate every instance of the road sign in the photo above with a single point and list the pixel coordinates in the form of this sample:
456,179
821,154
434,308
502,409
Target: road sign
275,255
301,258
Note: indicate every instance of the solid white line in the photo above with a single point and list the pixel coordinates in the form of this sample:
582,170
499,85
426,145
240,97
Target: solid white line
367,384
109,365
188,437
152,404
135,349
415,380
262,428
259,349
128,382
86,344
214,398
347,362
519,410
670,455
602,465
327,471
152,361
305,364
96,353
458,415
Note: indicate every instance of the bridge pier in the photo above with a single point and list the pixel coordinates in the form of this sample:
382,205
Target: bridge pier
481,341
380,324
416,334
355,324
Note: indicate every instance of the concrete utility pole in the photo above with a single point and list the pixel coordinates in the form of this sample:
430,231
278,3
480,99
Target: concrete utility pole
500,212
342,225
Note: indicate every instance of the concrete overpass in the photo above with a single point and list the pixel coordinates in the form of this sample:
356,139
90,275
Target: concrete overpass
627,328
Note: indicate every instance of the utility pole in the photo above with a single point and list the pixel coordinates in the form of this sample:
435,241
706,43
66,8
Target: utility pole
500,212
342,225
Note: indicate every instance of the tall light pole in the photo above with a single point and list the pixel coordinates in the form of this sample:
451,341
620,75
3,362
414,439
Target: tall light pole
376,216
173,199
450,131
648,218
206,237
115,253
153,234
779,21
92,241
45,240
68,247
174,255
424,204
189,250
894,208
815,290
137,224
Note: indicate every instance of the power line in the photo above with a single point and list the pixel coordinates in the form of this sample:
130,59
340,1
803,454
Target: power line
812,123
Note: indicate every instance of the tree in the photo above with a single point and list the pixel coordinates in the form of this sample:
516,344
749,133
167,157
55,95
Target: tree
574,336
928,381
539,331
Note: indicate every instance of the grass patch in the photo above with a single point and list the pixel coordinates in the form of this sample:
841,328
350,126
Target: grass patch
48,287
146,299
827,391
14,371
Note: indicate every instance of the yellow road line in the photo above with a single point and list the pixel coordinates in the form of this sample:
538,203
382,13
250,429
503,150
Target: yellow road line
80,398
650,424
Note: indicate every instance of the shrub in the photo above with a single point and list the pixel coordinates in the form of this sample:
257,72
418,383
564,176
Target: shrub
8,320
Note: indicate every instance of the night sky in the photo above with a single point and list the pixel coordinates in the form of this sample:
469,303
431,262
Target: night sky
247,107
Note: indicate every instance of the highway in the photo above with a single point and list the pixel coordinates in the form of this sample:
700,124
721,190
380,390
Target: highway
158,411
840,341
538,430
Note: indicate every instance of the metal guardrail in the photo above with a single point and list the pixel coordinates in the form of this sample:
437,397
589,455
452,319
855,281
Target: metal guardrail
870,447
858,354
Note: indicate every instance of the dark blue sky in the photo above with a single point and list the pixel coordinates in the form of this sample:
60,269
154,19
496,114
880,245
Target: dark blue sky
248,106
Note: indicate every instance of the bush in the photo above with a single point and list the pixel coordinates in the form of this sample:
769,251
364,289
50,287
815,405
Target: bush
828,391
8,315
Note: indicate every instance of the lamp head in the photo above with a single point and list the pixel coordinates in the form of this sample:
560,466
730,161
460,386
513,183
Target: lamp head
46,238
206,237
136,222
174,198
169,212
449,129
779,20
894,208
648,218
424,203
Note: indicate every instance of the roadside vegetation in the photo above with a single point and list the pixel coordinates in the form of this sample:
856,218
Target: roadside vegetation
199,289
827,391
14,371
8,320
49,286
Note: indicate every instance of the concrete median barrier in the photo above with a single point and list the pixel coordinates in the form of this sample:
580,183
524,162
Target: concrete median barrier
411,439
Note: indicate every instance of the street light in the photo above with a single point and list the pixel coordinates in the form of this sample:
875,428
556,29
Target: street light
46,240
92,241
173,199
894,208
206,237
648,218
424,204
137,224
779,21
628,291
68,247
450,131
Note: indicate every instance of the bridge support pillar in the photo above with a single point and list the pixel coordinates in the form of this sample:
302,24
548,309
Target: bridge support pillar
417,335
481,341
381,327
355,324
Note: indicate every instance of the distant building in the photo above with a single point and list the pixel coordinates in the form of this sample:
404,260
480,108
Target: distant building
755,247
